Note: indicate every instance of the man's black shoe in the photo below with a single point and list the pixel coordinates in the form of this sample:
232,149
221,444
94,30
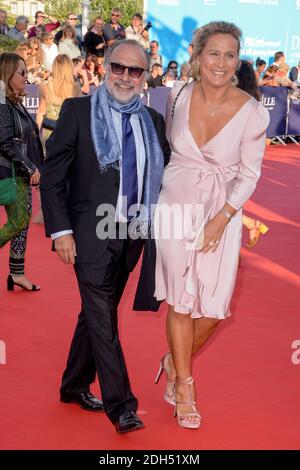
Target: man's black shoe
128,422
86,400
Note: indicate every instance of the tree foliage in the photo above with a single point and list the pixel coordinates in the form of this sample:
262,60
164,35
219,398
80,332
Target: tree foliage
128,8
7,44
61,8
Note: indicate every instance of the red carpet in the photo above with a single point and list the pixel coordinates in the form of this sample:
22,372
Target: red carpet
248,387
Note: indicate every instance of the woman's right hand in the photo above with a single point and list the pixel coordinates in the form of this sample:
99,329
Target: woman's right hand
35,178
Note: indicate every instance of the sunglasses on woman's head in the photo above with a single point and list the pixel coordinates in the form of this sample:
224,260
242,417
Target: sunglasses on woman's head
119,69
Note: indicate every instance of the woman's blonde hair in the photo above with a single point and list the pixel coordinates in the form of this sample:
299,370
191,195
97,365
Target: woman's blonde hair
69,29
9,63
203,34
62,77
21,48
40,54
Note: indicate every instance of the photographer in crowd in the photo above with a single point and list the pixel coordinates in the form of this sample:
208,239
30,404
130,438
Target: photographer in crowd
138,31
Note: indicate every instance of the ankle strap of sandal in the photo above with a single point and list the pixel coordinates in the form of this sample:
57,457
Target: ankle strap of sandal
186,381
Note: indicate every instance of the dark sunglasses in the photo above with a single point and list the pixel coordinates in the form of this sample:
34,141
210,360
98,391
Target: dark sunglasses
119,69
115,14
73,18
173,67
23,73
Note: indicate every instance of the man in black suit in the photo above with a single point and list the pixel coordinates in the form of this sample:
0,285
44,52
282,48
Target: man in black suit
106,149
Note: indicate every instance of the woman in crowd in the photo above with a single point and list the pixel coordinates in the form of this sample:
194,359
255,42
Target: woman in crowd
20,146
24,51
260,68
270,77
68,43
173,65
35,63
80,75
217,135
184,73
283,75
94,42
169,78
91,65
60,86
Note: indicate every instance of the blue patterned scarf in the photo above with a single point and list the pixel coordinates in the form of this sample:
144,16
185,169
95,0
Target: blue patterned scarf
108,150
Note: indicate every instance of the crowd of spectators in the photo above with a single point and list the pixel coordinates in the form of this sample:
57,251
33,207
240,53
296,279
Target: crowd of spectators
41,43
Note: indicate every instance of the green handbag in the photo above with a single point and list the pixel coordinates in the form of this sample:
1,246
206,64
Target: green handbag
8,189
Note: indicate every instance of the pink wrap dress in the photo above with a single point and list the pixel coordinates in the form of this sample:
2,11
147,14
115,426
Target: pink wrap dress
202,180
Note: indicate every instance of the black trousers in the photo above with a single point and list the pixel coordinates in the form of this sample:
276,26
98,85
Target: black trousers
96,346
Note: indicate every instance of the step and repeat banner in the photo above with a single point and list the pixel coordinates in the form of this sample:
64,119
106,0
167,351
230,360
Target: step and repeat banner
284,112
268,25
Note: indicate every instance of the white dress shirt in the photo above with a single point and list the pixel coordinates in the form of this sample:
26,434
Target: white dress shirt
50,52
140,158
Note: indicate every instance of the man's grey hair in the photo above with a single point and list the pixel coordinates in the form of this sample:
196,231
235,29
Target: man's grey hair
126,42
22,20
116,10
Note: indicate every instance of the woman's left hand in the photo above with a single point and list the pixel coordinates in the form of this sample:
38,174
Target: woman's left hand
213,232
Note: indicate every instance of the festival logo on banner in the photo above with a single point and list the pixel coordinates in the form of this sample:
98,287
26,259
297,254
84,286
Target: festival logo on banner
260,47
269,102
275,100
295,49
267,3
31,103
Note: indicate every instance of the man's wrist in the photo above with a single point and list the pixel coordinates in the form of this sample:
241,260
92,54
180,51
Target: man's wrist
61,233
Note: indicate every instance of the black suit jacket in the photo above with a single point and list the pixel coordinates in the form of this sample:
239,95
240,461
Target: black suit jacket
72,186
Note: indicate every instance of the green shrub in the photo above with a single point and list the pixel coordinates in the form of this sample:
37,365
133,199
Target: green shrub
7,44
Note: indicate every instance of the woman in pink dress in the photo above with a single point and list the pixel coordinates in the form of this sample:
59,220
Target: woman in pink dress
217,135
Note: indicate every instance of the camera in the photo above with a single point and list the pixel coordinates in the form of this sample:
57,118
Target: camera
148,26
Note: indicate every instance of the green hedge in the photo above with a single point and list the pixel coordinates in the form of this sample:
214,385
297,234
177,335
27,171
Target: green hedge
7,44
